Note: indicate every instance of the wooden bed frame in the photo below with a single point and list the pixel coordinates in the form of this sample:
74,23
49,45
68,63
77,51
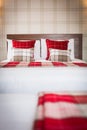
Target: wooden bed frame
77,39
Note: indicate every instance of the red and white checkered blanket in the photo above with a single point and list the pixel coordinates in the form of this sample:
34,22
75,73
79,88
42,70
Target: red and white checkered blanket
61,111
42,64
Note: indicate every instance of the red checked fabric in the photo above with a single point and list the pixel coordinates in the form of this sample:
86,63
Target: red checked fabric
41,64
23,44
62,45
59,55
23,54
23,50
61,111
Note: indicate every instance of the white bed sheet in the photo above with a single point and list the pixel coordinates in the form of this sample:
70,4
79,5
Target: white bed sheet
35,79
17,111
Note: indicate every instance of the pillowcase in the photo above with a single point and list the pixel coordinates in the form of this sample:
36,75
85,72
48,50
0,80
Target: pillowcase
23,44
44,48
59,55
36,49
62,45
19,54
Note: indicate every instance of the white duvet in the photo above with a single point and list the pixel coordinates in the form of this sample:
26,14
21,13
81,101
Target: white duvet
17,111
33,80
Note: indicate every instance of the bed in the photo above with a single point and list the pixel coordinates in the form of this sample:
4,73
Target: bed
21,81
29,77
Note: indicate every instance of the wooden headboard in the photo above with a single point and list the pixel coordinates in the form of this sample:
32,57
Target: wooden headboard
77,39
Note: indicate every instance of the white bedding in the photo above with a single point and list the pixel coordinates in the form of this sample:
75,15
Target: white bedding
19,88
17,111
33,80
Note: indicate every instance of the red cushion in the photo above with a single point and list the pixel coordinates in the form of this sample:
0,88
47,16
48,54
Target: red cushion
62,45
23,44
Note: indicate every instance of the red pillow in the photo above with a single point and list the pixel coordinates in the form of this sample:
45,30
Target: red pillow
62,45
23,44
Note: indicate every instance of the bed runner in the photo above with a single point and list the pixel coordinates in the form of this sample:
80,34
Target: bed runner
42,64
61,111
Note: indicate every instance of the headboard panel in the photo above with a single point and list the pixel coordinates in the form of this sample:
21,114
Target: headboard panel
77,39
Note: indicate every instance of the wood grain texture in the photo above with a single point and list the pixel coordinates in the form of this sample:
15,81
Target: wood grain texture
77,39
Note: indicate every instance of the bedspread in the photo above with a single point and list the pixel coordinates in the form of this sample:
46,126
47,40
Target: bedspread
61,111
42,64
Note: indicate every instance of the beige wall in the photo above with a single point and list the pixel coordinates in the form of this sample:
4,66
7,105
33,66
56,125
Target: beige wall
42,16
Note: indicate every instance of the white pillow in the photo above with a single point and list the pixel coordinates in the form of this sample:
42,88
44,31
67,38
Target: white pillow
9,49
71,47
44,48
36,50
